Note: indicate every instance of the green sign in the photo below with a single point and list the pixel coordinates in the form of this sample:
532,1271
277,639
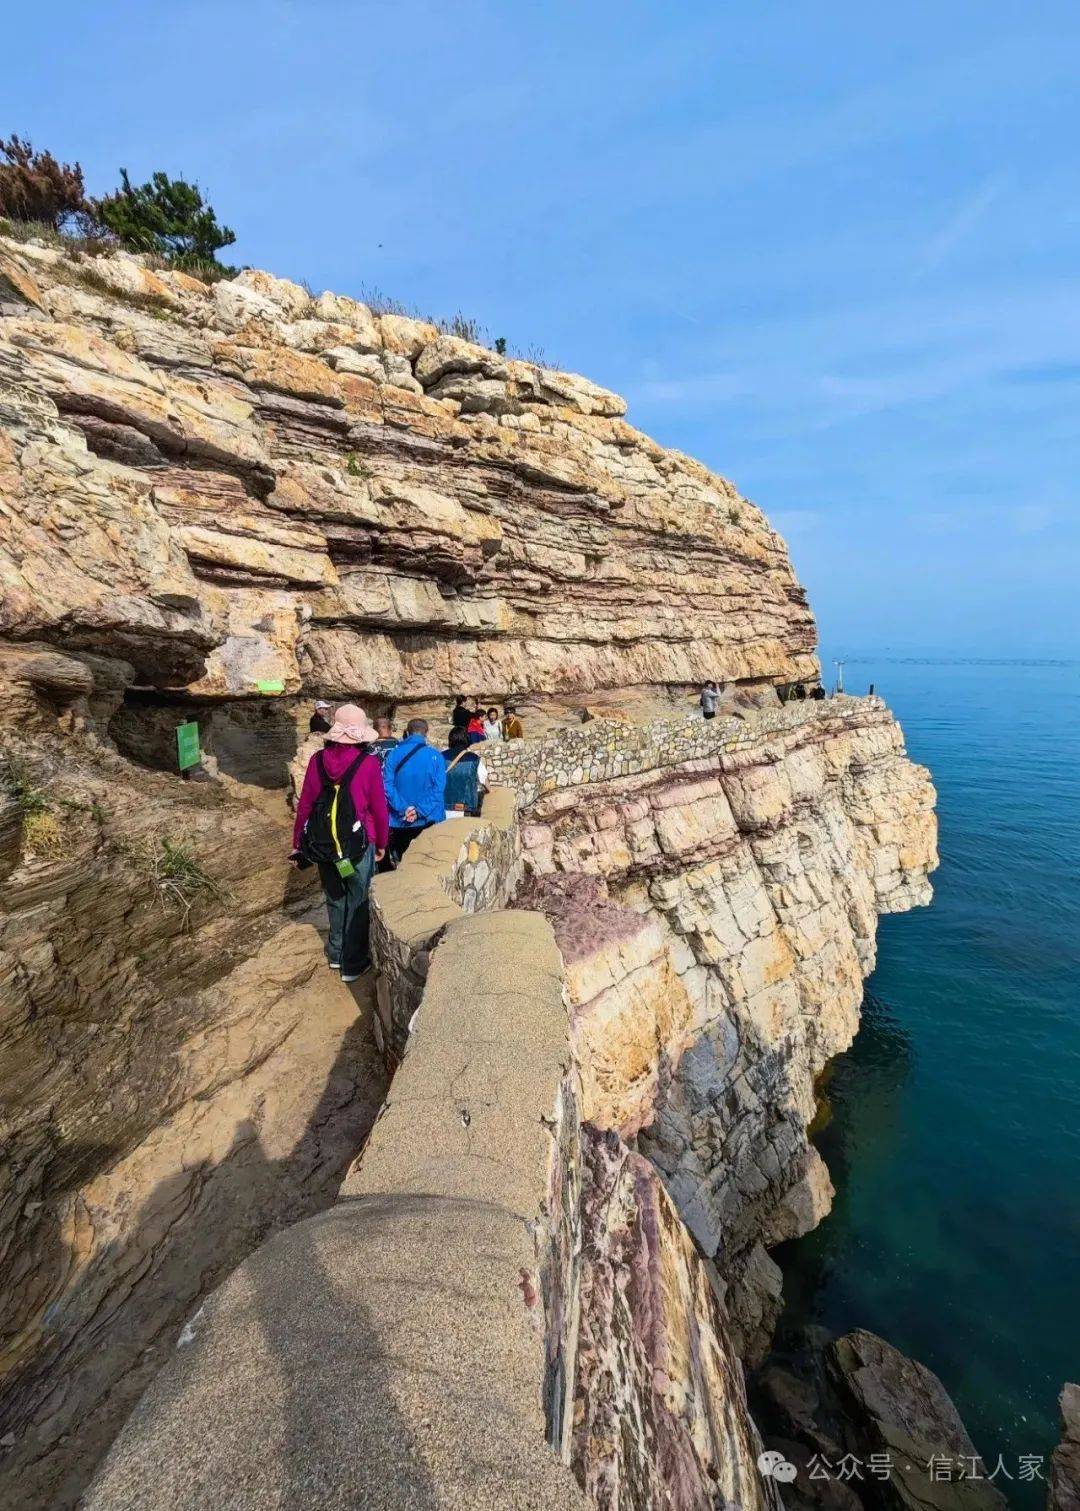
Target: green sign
270,687
187,745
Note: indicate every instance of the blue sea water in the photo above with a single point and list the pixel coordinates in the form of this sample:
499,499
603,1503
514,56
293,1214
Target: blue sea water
954,1143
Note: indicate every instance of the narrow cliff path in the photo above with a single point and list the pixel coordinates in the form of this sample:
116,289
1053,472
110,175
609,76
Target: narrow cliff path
283,1086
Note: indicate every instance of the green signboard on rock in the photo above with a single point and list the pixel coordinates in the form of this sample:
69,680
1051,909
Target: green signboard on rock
188,753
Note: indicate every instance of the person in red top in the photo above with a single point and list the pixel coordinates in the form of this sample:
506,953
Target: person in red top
475,727
347,880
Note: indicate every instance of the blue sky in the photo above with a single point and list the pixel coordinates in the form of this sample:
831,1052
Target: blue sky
832,249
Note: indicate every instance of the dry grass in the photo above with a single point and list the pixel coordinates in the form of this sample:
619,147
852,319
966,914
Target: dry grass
42,834
175,873
42,831
97,246
39,230
460,325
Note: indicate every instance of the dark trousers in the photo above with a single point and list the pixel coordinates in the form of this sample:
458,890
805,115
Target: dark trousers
348,911
401,839
710,713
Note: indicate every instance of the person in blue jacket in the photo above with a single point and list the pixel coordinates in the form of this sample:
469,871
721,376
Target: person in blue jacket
414,775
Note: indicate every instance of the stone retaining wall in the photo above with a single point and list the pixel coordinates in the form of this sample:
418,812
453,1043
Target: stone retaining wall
501,1290
392,1352
606,748
455,868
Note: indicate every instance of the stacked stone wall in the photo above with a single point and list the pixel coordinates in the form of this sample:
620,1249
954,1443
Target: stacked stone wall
604,749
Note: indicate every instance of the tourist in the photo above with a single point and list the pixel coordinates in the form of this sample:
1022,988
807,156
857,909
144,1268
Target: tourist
817,692
414,774
511,724
387,740
461,714
475,727
319,724
466,777
710,696
492,727
342,826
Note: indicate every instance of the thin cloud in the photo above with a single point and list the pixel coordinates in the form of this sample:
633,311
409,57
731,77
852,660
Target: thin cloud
961,222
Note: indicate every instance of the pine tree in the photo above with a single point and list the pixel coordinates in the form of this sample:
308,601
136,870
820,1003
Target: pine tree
34,186
167,216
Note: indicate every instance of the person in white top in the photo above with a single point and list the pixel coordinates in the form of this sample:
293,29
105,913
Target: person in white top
492,726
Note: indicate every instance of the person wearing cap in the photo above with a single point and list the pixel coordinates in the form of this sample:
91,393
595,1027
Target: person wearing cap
348,748
319,724
511,724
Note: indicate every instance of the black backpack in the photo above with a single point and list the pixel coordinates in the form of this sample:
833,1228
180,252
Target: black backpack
329,834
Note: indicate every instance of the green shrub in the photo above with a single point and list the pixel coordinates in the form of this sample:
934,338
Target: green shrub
19,782
167,216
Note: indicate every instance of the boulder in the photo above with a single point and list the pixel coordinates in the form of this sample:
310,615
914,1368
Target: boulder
1064,1493
898,1407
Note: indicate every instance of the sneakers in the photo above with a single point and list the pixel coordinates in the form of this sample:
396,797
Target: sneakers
351,978
335,965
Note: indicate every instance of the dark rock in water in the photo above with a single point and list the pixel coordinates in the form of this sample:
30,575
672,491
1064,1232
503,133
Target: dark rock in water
1064,1494
786,1402
807,1492
899,1408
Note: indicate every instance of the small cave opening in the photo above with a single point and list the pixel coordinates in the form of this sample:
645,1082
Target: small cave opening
252,740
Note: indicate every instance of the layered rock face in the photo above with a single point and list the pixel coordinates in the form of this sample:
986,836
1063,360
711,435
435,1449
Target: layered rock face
718,917
242,485
177,1077
216,499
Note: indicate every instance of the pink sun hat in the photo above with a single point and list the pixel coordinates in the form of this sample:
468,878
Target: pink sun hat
351,727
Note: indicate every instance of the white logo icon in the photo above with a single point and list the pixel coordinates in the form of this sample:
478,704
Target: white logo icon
775,1466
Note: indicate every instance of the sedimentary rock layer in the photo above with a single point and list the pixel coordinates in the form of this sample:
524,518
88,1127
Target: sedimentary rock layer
243,484
177,1077
718,916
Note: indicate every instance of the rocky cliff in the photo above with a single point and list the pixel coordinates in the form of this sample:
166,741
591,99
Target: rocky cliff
243,484
718,916
216,500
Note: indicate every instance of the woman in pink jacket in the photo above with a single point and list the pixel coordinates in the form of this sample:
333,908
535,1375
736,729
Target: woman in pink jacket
342,826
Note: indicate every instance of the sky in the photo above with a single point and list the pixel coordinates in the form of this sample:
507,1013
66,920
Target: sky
830,248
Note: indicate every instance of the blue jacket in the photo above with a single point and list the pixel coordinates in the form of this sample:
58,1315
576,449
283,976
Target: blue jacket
422,784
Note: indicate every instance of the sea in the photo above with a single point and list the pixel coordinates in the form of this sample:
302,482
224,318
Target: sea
953,1122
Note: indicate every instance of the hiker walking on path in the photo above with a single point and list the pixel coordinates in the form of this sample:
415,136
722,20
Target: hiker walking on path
342,826
466,777
492,727
319,724
461,713
710,696
415,778
511,724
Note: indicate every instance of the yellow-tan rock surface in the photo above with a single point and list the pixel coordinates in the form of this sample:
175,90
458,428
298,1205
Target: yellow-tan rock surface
169,448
